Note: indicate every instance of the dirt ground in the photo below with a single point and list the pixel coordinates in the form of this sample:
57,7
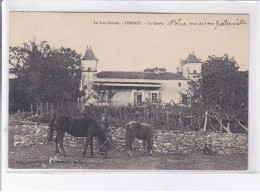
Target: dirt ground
38,157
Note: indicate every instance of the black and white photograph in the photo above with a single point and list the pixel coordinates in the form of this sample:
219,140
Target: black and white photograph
128,91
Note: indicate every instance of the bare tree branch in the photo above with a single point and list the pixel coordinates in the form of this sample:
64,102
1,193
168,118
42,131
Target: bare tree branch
215,114
244,127
211,124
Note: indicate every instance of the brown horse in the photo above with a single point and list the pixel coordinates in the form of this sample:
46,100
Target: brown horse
88,128
143,131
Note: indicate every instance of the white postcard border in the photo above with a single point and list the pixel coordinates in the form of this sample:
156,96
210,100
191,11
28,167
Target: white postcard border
125,180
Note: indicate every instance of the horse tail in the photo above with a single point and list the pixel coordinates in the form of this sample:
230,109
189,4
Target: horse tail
50,132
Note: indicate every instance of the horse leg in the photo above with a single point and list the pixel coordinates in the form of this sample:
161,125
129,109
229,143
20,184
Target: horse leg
85,148
150,146
129,141
92,155
57,152
89,140
144,144
129,146
130,153
60,141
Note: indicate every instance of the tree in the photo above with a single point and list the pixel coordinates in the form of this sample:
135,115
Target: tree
222,92
195,100
45,74
18,98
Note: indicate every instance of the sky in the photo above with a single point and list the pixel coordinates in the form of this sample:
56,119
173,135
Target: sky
154,40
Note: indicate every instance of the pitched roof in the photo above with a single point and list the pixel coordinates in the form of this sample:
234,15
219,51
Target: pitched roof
192,59
139,75
89,55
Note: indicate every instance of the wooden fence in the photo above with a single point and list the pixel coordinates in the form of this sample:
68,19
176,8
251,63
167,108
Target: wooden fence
173,117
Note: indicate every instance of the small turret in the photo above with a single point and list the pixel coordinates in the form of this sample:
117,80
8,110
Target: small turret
89,61
192,58
88,72
191,67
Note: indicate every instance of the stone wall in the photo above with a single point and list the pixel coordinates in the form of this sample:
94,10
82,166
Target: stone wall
164,141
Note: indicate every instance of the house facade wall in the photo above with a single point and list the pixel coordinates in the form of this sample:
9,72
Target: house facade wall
165,90
125,97
121,97
169,90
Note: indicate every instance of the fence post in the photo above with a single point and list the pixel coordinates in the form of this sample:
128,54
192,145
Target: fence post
206,120
31,109
228,125
41,110
220,125
37,108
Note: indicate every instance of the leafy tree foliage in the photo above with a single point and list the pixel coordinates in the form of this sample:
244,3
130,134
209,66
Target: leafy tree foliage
43,74
223,90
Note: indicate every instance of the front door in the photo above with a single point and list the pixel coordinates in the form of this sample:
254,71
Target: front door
138,98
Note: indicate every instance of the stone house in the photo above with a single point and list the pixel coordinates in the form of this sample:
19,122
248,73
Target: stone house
136,88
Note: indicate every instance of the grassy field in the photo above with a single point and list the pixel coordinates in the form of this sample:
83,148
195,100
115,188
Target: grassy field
38,156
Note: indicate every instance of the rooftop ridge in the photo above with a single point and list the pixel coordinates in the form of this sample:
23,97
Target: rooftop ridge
139,75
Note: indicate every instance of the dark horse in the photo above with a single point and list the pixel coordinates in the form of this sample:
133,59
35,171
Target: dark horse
144,131
88,128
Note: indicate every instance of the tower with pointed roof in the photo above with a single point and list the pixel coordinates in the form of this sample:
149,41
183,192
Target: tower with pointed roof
88,70
191,67
89,61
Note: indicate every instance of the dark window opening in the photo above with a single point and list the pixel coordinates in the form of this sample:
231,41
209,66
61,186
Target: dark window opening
138,99
154,97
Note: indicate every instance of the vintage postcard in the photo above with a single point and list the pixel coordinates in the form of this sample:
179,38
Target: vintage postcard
128,91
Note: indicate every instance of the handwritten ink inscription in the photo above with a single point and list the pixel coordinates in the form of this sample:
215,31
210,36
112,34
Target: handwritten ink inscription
179,22
216,24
